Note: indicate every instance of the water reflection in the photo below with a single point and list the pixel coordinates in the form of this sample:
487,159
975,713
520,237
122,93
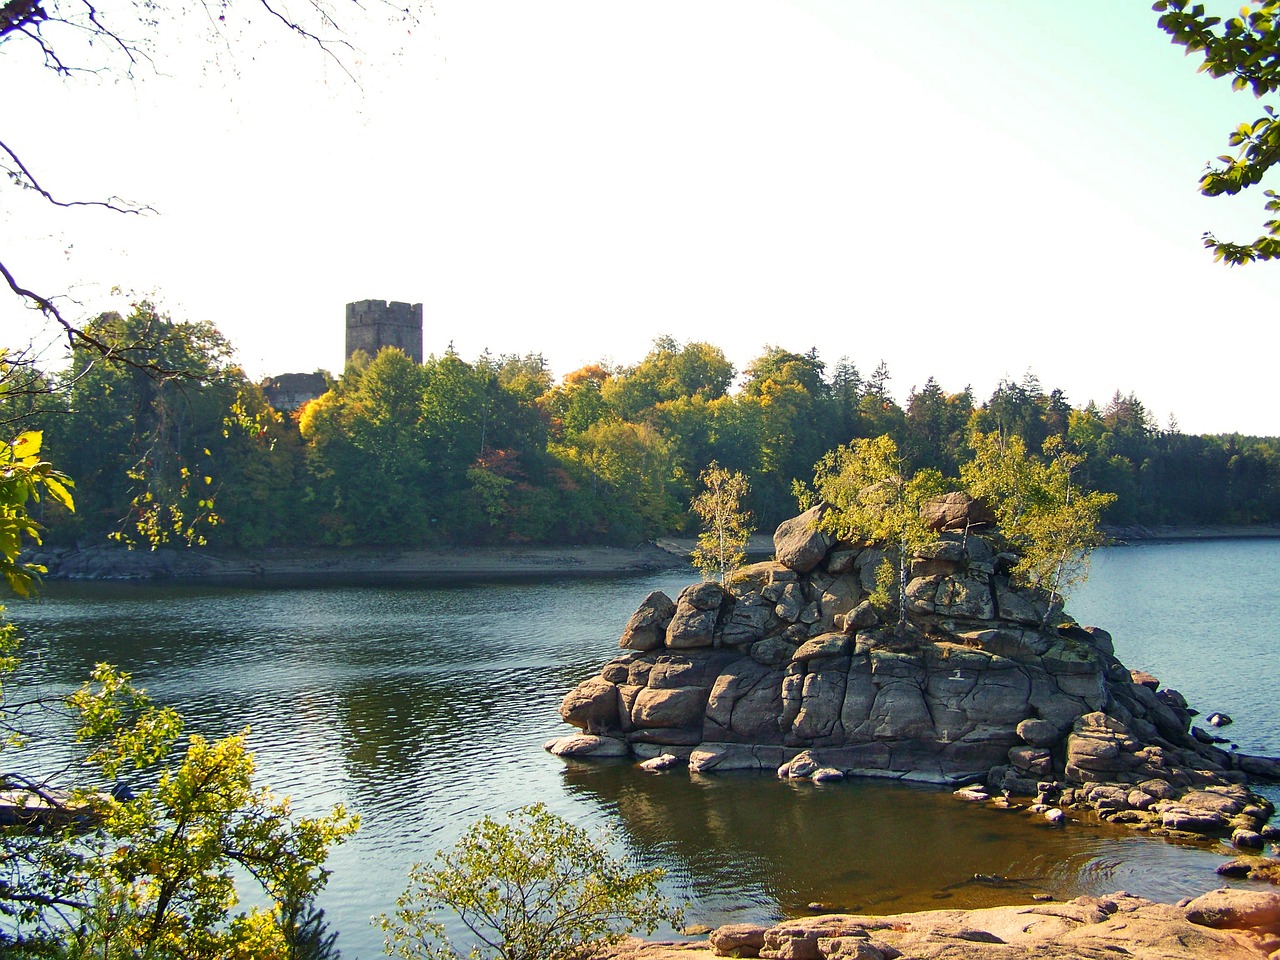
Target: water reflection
424,709
744,847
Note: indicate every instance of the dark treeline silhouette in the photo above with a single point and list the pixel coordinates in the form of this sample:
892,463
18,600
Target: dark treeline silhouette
494,450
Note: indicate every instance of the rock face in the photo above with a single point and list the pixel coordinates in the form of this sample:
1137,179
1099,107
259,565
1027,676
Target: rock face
988,682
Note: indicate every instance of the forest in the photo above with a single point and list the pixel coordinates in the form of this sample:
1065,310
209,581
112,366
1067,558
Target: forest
176,446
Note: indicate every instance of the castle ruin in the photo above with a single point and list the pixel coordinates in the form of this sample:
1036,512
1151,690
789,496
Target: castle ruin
374,324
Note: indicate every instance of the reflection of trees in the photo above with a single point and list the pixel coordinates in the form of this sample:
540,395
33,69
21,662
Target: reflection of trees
874,846
391,731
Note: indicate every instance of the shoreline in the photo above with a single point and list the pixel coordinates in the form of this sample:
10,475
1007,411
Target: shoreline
1228,924
288,566
1122,535
458,565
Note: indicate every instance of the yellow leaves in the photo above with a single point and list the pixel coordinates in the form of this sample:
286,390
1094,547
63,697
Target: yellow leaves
25,447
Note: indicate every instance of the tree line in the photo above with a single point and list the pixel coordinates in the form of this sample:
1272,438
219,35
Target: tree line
495,450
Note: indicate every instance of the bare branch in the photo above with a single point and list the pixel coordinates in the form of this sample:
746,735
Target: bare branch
78,337
118,204
324,45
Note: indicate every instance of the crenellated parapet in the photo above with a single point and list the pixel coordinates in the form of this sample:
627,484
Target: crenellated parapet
374,324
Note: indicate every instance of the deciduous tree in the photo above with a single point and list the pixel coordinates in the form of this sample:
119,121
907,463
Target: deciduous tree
1041,509
726,525
532,887
872,500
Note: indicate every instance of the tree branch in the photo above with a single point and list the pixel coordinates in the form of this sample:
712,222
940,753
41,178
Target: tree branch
117,204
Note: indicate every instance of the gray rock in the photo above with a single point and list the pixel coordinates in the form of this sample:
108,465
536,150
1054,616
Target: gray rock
592,705
966,597
773,651
707,595
799,544
825,645
746,623
678,707
737,940
1038,733
840,560
691,627
647,628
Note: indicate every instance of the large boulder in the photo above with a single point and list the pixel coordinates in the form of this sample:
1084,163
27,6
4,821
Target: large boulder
956,511
647,628
799,543
694,622
1228,909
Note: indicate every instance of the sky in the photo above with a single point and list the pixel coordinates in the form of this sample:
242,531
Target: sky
964,191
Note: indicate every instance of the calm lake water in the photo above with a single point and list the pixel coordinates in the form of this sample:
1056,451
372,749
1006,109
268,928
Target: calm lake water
424,709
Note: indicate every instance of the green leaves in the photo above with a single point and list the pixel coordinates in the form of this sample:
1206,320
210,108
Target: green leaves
1049,518
1246,49
532,887
873,501
726,526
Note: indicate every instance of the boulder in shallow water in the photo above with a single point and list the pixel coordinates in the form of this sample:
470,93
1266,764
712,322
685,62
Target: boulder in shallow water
587,745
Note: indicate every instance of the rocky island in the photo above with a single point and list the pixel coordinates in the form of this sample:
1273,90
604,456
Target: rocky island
983,685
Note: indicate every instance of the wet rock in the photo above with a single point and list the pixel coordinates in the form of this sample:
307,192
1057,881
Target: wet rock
586,745
663,762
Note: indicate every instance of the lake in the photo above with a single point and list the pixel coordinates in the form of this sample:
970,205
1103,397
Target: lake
423,709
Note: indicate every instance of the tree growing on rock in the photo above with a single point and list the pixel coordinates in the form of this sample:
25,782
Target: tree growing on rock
534,887
1050,519
871,500
726,526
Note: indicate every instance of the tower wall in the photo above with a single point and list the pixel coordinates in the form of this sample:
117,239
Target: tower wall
374,324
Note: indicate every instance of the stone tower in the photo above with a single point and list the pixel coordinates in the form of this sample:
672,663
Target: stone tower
374,324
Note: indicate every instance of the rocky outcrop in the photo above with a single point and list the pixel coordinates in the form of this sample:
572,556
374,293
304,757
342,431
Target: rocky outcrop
987,683
1225,924
1222,924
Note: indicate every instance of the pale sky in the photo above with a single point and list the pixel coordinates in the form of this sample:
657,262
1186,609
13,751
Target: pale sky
962,190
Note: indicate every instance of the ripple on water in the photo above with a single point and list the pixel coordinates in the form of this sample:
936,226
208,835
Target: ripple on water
423,710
